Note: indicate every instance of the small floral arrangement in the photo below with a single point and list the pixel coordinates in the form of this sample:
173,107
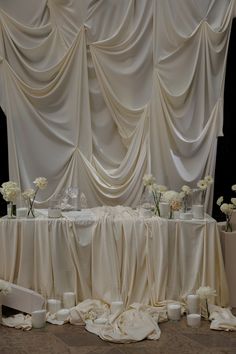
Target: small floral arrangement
5,287
205,292
155,189
174,200
10,191
203,184
30,194
227,209
184,195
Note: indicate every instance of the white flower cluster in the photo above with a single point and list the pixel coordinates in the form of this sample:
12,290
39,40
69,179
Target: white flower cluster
10,191
5,287
41,182
227,208
148,180
205,292
203,184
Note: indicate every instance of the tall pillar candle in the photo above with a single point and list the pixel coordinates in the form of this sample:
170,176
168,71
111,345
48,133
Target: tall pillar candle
193,303
53,305
68,300
174,312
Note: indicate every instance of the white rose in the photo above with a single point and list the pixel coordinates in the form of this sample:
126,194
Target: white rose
233,201
233,187
41,182
186,189
5,287
226,208
148,180
28,193
220,201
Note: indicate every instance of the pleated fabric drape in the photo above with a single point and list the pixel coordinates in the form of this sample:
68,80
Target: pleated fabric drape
98,93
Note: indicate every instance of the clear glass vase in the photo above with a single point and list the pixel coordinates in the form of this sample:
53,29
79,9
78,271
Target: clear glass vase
11,210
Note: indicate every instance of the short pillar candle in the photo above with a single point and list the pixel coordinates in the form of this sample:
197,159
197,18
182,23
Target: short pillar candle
194,320
53,305
38,318
174,312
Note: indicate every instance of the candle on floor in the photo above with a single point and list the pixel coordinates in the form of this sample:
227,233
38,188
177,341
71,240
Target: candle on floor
174,312
53,305
193,303
194,320
117,306
68,300
38,318
62,315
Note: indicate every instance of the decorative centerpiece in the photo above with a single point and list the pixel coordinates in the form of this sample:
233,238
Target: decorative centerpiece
185,195
205,293
156,190
173,198
203,185
10,191
227,209
30,194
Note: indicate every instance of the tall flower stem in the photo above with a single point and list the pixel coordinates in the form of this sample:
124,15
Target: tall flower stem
207,308
156,201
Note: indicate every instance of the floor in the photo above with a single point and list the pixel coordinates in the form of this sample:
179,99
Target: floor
176,337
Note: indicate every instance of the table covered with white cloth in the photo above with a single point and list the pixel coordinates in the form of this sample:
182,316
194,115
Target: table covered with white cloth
113,253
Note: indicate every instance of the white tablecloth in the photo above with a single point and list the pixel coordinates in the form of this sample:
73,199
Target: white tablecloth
113,253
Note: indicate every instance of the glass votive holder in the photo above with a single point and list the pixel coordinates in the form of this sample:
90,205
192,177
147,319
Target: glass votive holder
54,208
164,210
194,320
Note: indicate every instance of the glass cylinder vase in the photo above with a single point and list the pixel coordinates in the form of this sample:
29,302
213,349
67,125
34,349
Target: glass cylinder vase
11,210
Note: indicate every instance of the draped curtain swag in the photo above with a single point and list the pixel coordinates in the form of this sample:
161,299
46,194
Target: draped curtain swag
98,93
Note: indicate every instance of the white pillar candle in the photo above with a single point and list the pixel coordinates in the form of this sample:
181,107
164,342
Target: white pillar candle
38,318
117,306
53,305
174,312
193,303
68,300
198,211
176,214
62,315
164,210
194,320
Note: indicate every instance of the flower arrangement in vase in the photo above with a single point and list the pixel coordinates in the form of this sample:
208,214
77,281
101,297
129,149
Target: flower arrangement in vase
156,190
10,191
30,194
206,293
203,185
173,198
227,209
185,195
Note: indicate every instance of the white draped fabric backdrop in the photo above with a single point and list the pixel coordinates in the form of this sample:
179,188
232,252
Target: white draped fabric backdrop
98,93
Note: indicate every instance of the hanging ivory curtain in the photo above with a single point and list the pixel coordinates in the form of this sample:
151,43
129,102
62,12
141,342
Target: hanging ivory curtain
97,93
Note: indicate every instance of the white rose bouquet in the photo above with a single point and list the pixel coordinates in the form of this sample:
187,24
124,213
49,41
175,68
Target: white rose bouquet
155,189
10,191
30,194
227,209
